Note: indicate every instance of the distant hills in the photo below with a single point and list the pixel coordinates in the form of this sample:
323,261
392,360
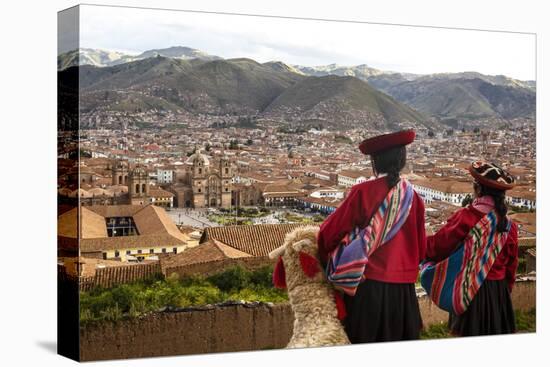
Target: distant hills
462,97
238,87
102,58
178,78
342,98
467,95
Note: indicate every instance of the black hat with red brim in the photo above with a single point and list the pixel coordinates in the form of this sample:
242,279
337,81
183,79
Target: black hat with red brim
491,175
383,142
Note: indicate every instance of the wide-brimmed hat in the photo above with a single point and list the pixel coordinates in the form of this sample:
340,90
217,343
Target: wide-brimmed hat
383,142
491,175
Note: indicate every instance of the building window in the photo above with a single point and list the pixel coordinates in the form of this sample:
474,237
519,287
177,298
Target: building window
163,250
151,251
128,252
117,254
105,256
227,170
143,188
137,188
175,250
139,251
200,170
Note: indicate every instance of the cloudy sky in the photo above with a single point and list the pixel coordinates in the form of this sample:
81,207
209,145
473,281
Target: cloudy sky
310,42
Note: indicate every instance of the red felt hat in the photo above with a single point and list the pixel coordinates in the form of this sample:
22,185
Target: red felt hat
383,142
491,175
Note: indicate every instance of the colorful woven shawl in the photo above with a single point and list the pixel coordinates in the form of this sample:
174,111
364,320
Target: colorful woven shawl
346,263
453,282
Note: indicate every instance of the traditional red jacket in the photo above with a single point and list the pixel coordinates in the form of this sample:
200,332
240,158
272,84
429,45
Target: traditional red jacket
444,242
396,261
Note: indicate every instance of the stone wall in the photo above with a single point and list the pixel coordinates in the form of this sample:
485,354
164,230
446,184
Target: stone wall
219,329
222,329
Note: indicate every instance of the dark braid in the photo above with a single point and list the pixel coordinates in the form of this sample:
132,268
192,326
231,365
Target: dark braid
500,205
390,162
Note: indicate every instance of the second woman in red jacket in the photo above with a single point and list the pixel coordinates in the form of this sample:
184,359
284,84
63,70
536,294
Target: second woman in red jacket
384,306
490,311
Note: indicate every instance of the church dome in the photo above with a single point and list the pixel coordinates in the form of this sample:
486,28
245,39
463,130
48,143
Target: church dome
197,158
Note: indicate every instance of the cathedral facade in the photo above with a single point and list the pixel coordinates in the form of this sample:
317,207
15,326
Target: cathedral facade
202,183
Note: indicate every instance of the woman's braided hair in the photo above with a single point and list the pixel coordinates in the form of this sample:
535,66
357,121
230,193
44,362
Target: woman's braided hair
390,162
499,197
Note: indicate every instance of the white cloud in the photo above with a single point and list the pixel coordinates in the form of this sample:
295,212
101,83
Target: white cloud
312,42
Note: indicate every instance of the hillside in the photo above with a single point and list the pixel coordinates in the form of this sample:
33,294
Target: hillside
341,99
462,98
220,86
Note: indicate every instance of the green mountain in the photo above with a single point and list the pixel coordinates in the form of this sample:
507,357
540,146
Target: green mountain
463,98
342,100
236,87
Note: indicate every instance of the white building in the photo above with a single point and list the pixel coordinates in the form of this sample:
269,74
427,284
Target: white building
165,176
350,178
329,192
321,175
437,189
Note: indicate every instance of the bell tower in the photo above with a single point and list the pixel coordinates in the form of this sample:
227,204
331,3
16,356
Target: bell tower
138,186
119,171
226,175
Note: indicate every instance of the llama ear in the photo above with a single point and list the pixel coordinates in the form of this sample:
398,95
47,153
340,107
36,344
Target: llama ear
298,246
309,264
279,276
277,252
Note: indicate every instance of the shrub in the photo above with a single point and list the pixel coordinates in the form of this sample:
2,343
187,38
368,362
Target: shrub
436,331
234,278
135,299
199,295
262,277
526,321
259,294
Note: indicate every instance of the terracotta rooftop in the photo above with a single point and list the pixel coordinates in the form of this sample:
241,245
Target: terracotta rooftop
354,174
256,240
211,250
154,226
445,185
160,193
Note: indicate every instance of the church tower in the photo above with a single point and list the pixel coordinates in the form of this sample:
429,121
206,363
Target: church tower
138,186
200,169
226,175
119,171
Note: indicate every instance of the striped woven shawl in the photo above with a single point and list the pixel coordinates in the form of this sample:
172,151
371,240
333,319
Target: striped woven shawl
453,282
347,262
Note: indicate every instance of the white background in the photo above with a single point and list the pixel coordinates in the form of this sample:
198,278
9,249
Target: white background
28,183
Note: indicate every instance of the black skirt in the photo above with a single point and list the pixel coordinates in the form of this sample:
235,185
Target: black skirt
489,313
381,312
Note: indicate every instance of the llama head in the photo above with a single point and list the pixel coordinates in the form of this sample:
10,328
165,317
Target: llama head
298,260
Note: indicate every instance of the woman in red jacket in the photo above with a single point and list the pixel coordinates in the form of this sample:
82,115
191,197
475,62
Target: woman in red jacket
384,306
490,310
